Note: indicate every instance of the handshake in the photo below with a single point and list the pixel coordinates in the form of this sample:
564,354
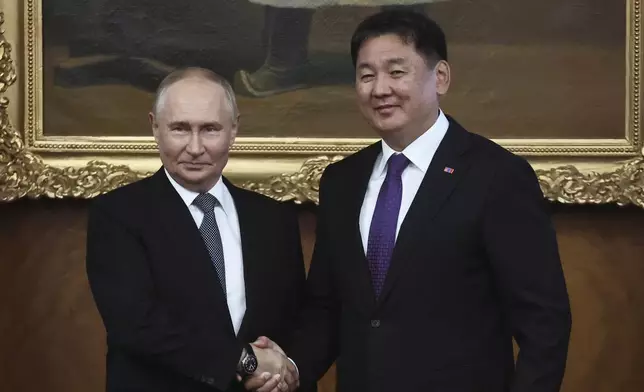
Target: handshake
271,370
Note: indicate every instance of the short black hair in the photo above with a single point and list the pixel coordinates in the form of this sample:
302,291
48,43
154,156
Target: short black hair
412,27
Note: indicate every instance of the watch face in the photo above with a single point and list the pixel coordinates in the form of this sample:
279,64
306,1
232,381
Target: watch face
250,364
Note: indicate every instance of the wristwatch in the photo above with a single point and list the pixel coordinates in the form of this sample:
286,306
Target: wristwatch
248,363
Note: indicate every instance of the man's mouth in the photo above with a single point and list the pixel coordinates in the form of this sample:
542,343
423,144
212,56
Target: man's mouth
385,109
194,164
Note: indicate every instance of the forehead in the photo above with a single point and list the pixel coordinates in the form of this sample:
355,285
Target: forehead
195,97
386,49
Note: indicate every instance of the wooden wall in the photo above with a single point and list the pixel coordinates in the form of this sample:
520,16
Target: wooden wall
52,339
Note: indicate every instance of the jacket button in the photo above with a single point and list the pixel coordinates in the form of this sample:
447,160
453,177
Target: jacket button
375,323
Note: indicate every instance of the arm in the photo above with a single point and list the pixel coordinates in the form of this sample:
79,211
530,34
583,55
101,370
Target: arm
299,295
297,272
315,345
522,247
296,297
135,319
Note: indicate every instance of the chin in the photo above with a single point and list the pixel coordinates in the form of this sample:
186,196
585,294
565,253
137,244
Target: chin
386,127
388,123
193,177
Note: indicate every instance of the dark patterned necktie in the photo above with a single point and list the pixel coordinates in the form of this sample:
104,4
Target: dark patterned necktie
382,233
210,233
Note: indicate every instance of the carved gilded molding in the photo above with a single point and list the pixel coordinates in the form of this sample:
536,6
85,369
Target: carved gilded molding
299,187
23,173
568,185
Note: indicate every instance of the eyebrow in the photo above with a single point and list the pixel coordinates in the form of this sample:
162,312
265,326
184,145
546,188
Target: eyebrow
185,124
179,124
396,61
391,61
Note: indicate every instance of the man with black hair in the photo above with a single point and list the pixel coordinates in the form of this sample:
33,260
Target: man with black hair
434,248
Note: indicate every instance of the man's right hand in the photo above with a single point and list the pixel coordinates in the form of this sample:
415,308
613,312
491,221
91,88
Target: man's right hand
275,373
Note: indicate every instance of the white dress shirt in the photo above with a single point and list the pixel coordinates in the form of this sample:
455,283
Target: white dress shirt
228,223
420,154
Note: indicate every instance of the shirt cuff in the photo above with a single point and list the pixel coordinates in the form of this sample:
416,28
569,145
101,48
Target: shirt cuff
296,369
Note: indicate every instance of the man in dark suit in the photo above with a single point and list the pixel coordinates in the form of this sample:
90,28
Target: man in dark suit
434,248
186,269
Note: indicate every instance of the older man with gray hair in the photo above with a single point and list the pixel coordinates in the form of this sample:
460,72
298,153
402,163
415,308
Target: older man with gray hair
186,269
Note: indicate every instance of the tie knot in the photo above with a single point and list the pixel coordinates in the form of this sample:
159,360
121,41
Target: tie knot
397,164
205,202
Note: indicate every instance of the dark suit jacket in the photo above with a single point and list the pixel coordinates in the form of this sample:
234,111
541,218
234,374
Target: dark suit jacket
166,317
475,264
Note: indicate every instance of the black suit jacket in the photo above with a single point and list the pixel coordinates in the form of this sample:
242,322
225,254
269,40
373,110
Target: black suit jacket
476,263
166,317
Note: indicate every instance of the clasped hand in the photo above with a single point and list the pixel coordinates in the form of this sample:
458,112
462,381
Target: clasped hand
275,372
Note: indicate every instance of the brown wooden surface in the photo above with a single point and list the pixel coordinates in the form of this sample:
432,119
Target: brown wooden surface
52,339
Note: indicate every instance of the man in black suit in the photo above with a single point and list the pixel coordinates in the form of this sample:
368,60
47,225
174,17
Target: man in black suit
186,268
434,248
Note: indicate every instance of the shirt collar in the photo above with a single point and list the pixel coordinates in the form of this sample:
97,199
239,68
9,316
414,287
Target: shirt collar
220,191
421,151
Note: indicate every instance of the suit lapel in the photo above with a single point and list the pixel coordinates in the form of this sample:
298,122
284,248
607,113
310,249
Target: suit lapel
445,171
181,233
253,246
355,187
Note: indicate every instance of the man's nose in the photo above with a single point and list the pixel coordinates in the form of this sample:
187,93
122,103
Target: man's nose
381,86
195,145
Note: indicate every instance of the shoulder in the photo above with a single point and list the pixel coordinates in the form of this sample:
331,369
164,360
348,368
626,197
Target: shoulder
508,175
260,204
497,158
498,170
125,199
351,164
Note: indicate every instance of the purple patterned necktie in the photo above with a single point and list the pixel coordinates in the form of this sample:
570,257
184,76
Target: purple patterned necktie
382,233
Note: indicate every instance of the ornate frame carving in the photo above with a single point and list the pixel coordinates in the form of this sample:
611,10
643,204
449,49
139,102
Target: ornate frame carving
576,171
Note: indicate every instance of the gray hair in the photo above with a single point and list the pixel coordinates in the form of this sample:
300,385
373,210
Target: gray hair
195,73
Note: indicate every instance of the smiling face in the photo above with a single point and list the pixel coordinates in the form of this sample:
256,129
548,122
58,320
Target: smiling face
194,128
397,90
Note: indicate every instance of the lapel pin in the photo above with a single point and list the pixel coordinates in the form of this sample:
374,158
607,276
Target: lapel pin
448,170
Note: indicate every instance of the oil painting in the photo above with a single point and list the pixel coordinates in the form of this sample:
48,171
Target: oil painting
521,69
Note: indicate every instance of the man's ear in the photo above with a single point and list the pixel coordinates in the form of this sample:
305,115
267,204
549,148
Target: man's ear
443,77
154,126
233,132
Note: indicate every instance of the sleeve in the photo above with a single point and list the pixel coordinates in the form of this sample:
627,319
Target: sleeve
297,272
522,246
135,320
316,344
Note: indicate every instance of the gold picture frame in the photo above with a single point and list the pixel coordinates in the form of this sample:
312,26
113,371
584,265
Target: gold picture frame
34,165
